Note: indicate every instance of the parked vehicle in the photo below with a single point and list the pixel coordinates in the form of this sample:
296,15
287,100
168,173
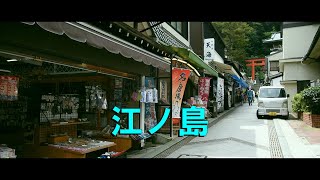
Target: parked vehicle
272,101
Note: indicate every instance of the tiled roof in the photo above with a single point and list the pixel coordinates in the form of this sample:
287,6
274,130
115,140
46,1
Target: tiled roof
165,37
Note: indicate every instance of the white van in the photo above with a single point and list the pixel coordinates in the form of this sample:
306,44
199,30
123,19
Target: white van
272,101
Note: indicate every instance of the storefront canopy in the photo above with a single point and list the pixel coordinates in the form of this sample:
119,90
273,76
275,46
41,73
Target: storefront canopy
225,68
194,59
240,81
83,32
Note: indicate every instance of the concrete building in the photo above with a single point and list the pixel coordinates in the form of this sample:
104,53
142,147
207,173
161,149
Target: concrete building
297,39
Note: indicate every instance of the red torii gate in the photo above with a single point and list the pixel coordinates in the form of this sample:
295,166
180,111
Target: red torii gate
255,62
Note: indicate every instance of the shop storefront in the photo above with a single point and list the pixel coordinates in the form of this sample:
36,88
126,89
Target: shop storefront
199,88
184,89
67,89
240,87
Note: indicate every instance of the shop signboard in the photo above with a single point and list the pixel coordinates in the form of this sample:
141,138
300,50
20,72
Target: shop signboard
163,91
179,81
209,50
220,94
204,88
9,88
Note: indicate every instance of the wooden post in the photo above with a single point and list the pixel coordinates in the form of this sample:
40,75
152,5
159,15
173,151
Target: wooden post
142,111
252,71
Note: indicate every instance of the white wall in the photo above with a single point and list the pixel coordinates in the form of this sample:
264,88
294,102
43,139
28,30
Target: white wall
291,89
298,71
276,81
273,57
297,40
176,34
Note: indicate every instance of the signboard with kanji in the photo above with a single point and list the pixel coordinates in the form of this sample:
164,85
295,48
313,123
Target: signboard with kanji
220,94
204,89
179,82
208,50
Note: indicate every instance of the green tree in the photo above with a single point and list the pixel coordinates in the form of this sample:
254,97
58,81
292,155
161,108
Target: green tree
244,40
262,30
236,36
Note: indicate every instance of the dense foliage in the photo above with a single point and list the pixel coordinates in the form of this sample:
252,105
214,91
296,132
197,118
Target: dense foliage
244,40
297,104
311,99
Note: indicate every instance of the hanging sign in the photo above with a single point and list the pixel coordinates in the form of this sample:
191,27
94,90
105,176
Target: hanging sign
179,82
220,94
164,91
9,88
150,99
208,50
204,88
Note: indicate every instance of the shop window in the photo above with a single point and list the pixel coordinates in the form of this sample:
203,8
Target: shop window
274,66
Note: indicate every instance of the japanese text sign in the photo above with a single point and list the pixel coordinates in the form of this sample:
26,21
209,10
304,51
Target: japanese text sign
179,81
204,89
209,49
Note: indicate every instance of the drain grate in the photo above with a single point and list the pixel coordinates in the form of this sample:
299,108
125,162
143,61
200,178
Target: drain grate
275,148
192,156
232,139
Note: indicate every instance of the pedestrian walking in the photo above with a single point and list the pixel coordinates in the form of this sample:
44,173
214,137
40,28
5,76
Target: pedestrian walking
245,97
250,96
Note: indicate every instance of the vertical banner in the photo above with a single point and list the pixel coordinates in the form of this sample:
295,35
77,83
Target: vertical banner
164,91
179,82
220,94
9,88
204,88
208,50
150,108
150,116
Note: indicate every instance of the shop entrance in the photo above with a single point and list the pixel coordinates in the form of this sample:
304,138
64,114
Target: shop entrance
47,104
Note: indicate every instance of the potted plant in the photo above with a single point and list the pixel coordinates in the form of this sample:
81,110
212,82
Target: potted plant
297,104
311,104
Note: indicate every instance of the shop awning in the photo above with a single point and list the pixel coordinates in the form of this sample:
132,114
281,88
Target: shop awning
194,59
85,33
225,68
240,81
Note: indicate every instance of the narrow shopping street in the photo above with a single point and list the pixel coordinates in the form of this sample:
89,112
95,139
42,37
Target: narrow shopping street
241,134
106,89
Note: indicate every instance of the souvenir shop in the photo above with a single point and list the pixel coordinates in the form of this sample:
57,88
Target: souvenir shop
194,91
204,89
57,98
